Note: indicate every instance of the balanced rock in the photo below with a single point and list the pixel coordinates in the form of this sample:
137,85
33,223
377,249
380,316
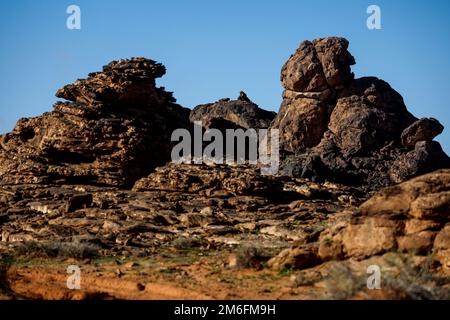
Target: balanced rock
114,129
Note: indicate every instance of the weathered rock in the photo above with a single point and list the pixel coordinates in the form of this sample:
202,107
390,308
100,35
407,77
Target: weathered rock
303,71
409,217
335,59
302,123
442,247
295,258
209,179
367,240
418,225
226,113
124,82
420,242
442,240
427,156
79,201
65,178
354,131
424,129
367,116
431,206
317,65
421,197
116,129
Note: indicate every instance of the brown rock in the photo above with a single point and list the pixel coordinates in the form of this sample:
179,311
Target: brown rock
226,113
355,138
367,116
432,205
239,180
303,71
367,240
335,60
420,242
317,65
442,240
424,129
116,129
79,201
295,258
330,248
427,156
302,123
417,225
425,195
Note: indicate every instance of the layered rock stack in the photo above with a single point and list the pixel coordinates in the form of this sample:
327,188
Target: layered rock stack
114,129
359,131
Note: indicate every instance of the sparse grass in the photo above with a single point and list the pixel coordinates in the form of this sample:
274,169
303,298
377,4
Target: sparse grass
188,258
62,250
286,272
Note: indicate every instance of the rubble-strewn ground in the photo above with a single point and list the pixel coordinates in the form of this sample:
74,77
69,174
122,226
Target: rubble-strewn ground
177,238
182,240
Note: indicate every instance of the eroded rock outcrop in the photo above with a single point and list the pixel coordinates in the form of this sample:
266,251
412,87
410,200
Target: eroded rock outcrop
412,218
358,131
114,129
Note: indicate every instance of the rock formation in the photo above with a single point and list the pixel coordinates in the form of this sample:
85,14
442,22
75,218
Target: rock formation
410,218
226,113
114,129
91,179
335,127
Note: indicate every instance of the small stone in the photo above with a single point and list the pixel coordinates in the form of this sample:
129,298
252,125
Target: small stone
207,211
140,286
78,202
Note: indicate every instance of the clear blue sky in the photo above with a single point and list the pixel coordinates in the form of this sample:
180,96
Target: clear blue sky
213,49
